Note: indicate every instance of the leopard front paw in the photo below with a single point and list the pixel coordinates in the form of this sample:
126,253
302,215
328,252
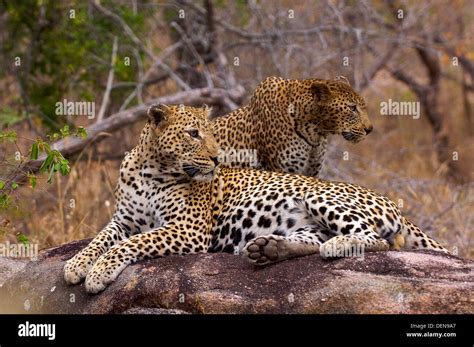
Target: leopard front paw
97,281
104,272
76,268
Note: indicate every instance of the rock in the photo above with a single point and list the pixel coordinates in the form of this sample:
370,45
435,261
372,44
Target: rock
384,282
10,266
145,310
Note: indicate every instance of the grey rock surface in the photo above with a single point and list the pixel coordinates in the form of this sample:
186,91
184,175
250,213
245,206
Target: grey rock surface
384,282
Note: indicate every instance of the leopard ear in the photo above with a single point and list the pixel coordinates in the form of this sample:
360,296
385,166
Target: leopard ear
321,92
342,79
157,113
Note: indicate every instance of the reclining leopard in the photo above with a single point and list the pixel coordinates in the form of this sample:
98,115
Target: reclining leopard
288,122
172,197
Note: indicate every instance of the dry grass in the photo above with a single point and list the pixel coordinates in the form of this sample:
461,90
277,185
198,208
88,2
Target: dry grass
73,207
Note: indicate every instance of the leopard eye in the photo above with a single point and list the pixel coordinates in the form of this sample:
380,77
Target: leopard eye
193,133
353,119
353,108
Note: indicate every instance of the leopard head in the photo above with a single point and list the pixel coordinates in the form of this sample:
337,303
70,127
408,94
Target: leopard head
333,107
182,140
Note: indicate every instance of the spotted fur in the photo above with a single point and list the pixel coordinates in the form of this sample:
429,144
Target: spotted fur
172,197
288,123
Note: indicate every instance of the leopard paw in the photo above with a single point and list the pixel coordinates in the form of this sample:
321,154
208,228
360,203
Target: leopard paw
76,268
104,272
265,250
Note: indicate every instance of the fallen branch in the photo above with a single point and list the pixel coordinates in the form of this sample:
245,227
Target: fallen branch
95,132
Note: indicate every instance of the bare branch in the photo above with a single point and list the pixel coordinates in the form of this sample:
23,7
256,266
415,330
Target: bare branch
379,64
465,62
129,32
110,81
146,80
198,57
96,131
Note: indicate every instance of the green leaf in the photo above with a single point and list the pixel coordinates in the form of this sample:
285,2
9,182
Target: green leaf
64,167
14,185
9,116
5,200
2,184
23,239
81,132
47,162
51,173
8,136
34,151
46,147
32,181
64,131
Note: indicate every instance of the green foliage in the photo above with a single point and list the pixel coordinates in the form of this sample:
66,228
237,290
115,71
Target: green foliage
9,136
53,160
65,54
244,11
34,151
8,117
63,50
5,200
169,14
32,180
65,132
81,132
23,239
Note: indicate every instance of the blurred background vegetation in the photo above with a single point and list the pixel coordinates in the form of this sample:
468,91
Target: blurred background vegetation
122,54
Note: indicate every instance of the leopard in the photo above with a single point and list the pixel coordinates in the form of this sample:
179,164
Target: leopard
286,125
174,198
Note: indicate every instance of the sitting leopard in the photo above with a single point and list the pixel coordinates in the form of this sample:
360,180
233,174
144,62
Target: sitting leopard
287,124
172,197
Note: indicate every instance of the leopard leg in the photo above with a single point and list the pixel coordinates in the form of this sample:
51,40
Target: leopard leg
77,267
272,248
167,240
353,245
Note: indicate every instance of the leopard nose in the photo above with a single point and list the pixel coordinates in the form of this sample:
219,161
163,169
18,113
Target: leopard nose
215,160
368,130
